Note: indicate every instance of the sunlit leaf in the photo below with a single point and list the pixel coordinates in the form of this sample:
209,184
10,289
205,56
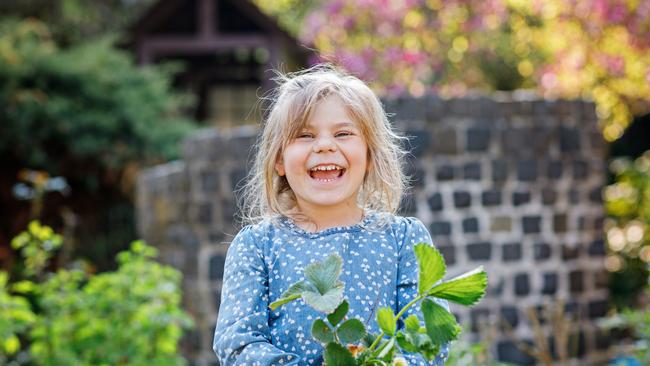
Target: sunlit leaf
412,322
431,266
12,344
466,289
440,324
386,320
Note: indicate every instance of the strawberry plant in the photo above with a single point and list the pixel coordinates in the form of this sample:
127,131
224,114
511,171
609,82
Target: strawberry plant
345,340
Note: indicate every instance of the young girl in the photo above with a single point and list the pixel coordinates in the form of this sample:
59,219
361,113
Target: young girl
327,178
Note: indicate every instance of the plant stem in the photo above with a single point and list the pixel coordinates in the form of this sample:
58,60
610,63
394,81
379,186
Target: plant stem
374,344
399,315
401,312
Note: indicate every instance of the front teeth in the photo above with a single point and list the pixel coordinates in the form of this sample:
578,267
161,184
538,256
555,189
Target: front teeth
326,167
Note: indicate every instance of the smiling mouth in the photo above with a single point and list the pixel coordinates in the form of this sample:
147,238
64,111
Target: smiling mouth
326,173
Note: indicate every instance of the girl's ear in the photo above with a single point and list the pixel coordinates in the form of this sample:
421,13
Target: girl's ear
279,168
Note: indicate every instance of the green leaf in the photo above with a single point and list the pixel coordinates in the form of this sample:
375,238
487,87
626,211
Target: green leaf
325,303
412,323
404,342
24,287
324,275
466,289
12,344
431,265
321,331
337,355
421,340
339,313
298,288
351,331
386,320
276,304
440,324
294,292
429,350
368,339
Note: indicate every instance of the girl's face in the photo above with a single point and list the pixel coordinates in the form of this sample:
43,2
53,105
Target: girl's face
326,163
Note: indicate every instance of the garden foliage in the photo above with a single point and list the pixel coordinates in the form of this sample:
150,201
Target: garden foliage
131,316
628,228
88,114
84,112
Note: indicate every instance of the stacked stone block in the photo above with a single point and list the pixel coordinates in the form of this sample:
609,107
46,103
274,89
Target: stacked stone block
508,182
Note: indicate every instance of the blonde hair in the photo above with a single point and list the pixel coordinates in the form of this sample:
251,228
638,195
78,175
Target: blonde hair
267,195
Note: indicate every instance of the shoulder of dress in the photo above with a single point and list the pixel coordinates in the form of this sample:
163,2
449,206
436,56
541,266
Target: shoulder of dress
402,223
259,233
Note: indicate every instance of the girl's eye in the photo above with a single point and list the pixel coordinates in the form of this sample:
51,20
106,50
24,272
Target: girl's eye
304,135
343,134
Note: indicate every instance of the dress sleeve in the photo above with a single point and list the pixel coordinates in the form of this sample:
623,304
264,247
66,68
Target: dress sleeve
409,233
242,335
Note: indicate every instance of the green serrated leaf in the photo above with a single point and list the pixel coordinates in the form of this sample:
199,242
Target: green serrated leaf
324,275
386,320
351,331
431,266
421,340
429,351
325,303
404,342
368,339
441,325
321,331
298,288
337,355
338,314
466,289
412,323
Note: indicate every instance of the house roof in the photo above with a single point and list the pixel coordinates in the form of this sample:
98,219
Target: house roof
163,10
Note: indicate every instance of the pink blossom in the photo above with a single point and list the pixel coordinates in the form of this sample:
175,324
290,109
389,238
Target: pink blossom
617,13
334,7
412,57
616,65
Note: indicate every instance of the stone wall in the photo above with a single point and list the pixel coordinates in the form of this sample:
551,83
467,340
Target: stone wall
507,182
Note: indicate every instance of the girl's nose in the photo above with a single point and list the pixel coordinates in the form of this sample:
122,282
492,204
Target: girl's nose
324,143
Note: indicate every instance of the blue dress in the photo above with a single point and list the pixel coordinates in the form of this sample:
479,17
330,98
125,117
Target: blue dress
379,269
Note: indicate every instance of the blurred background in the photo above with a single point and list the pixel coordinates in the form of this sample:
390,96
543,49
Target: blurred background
94,92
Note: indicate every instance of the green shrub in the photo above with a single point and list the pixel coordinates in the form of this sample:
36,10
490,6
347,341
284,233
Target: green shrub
87,105
131,316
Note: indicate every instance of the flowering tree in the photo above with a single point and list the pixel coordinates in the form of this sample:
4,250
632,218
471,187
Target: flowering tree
598,49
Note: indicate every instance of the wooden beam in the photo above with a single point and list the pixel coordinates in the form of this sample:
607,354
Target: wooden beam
172,44
206,19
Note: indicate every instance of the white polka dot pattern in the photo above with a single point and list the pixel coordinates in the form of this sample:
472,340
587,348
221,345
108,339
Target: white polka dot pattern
379,269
